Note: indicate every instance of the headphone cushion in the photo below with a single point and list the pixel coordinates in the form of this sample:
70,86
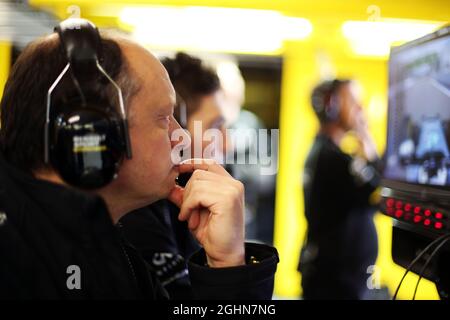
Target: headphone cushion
87,146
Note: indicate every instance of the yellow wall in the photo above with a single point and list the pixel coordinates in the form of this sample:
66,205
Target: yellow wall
5,61
297,127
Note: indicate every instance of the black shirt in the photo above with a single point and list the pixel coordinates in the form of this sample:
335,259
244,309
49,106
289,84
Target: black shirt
341,238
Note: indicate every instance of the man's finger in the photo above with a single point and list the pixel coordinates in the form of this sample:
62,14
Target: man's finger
197,200
199,229
177,193
210,165
176,196
199,174
194,220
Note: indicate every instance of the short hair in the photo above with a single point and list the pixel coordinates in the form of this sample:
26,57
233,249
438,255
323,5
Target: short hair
23,106
322,95
191,79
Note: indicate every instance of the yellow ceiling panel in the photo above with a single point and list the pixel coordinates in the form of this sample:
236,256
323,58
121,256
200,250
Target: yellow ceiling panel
326,9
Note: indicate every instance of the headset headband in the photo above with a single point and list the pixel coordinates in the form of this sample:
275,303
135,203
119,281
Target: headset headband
80,40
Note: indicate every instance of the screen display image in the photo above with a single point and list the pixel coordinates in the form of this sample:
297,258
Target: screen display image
418,148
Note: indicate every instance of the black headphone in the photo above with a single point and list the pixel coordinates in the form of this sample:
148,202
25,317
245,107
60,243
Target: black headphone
325,100
87,139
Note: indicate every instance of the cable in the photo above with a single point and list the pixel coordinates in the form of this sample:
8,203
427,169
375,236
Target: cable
427,262
417,259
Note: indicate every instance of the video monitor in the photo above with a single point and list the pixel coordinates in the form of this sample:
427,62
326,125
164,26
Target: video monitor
418,142
416,186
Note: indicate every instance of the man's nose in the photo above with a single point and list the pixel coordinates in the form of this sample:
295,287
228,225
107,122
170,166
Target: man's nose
175,126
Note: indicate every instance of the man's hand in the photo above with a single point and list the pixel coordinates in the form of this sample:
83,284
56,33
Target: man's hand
365,139
213,204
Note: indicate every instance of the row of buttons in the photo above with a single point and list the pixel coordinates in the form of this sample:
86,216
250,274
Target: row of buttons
415,214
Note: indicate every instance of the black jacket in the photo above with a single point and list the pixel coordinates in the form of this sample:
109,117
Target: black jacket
165,243
341,240
47,231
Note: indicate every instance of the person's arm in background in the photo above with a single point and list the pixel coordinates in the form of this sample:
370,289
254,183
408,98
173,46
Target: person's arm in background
365,168
367,144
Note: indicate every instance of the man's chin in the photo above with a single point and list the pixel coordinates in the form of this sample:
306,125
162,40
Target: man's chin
168,184
164,191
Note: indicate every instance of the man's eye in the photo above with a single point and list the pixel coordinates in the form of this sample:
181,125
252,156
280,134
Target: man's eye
166,120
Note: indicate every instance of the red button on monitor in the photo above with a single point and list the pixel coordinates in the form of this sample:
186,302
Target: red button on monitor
398,213
390,211
417,210
438,225
427,222
417,219
438,215
408,207
427,213
399,204
390,203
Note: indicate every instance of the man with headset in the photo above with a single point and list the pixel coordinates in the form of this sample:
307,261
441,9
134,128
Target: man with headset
85,138
341,240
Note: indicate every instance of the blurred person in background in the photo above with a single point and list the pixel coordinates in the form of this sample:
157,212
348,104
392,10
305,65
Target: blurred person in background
341,241
260,189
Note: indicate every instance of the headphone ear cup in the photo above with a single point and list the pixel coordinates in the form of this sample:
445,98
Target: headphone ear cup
87,146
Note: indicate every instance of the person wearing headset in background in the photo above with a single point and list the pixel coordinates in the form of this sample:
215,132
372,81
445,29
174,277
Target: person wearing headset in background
341,241
57,238
165,242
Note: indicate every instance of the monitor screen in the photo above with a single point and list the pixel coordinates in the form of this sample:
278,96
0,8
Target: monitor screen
418,142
